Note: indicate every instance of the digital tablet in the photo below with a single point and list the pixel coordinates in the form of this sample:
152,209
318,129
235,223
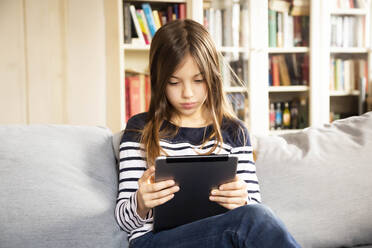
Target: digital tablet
196,176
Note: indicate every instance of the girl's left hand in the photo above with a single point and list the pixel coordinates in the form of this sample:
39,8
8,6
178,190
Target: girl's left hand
231,195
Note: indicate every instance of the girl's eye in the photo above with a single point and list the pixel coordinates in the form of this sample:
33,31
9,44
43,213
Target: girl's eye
172,83
199,80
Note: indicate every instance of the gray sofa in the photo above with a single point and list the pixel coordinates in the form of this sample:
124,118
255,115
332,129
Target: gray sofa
58,184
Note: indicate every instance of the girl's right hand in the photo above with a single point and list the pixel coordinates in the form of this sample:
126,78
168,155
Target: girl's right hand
151,194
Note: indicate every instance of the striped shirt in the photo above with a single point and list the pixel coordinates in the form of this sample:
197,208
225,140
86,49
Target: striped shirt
187,141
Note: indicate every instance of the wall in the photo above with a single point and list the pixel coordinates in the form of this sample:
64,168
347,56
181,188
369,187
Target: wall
53,62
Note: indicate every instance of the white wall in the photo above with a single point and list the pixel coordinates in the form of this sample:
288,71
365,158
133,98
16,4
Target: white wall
53,62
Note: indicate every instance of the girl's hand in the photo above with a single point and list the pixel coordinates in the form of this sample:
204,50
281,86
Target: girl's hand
231,195
151,194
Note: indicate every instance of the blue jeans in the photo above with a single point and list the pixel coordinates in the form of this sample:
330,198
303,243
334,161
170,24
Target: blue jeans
248,226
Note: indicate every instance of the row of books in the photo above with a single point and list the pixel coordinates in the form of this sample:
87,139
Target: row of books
289,69
347,31
141,21
348,74
137,93
227,21
285,29
240,105
239,67
347,4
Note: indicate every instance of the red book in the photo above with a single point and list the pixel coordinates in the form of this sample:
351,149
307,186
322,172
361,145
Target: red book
134,91
182,11
351,4
275,70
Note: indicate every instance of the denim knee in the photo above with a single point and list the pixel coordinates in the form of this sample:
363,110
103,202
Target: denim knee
254,212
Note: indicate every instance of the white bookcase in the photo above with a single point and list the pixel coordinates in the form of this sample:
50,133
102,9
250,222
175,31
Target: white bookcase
317,91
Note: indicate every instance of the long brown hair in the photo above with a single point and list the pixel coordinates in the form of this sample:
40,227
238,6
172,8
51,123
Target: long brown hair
170,45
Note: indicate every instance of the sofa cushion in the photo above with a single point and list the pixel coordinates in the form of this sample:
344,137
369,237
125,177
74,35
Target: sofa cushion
318,181
58,187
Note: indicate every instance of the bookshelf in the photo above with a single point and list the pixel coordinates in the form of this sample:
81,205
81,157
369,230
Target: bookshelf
349,27
256,51
289,51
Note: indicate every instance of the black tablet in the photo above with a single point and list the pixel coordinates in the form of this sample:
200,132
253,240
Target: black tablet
196,177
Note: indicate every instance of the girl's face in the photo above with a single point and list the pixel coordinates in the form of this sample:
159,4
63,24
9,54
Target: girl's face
186,91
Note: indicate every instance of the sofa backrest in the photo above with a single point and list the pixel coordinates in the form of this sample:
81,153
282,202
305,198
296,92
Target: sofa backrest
58,187
319,181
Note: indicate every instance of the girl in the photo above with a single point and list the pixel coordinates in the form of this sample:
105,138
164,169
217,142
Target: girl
189,115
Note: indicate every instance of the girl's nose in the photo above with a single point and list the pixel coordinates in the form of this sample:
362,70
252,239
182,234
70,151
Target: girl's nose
187,91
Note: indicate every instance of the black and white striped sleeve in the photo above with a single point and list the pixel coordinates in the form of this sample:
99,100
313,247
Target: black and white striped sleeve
246,169
131,167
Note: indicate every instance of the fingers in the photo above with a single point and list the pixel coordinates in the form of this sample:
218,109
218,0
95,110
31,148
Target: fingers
236,184
228,200
161,194
230,193
160,201
147,175
230,206
155,187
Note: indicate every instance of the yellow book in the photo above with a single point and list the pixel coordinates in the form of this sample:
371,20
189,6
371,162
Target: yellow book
157,19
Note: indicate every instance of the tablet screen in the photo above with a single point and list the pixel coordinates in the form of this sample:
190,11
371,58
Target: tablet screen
196,176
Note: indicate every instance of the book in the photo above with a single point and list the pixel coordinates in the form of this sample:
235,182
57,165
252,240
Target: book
275,70
182,11
137,25
127,24
157,19
170,13
272,28
149,18
283,71
142,22
279,29
133,88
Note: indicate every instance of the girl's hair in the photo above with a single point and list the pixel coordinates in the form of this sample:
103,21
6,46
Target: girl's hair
170,45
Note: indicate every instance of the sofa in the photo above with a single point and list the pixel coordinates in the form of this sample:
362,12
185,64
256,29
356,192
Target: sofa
58,184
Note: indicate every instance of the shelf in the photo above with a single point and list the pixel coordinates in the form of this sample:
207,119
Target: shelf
131,47
158,1
288,50
294,88
349,12
349,50
284,131
235,89
343,93
233,49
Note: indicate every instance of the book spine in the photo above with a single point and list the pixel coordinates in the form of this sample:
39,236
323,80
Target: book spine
156,18
136,24
135,94
176,12
143,24
279,34
149,18
182,11
272,28
127,24
275,69
170,13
